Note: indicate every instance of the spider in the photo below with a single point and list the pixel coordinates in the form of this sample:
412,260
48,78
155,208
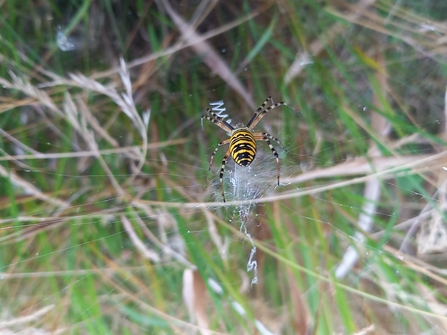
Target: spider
242,140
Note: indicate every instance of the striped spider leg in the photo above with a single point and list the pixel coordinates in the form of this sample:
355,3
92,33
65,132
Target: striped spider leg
262,111
266,137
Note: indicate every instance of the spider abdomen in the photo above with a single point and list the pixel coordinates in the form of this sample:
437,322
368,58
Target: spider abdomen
243,147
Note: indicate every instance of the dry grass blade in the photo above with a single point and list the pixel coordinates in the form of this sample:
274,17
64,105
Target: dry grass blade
301,316
18,143
131,151
432,230
23,85
104,271
180,45
31,189
29,318
165,247
84,110
210,56
148,253
33,230
353,167
367,330
195,297
221,244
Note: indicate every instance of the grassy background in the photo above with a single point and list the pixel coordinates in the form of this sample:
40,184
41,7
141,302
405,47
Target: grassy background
108,220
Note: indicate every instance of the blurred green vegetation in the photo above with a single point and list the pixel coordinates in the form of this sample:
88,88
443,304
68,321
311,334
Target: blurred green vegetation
107,222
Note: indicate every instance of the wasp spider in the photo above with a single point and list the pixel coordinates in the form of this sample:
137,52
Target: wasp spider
242,140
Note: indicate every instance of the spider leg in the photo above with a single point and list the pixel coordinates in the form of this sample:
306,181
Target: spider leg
222,170
265,137
259,114
218,121
260,108
217,148
214,115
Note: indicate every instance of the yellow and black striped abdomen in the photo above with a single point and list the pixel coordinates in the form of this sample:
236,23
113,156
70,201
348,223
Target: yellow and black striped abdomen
243,147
